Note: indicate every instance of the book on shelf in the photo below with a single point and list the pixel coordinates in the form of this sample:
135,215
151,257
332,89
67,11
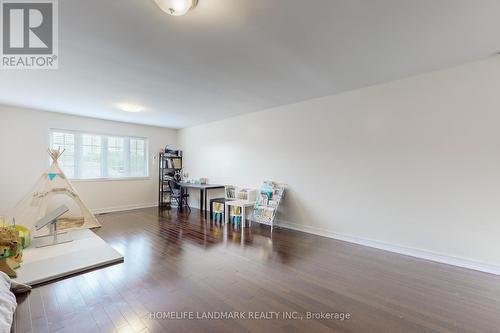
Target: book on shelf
172,163
230,192
177,163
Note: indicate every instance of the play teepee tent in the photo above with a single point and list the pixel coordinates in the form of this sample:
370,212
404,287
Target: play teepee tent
51,184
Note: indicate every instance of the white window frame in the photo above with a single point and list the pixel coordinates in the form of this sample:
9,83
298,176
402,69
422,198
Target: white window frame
104,161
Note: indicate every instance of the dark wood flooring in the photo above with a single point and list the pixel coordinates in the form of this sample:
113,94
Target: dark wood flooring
180,263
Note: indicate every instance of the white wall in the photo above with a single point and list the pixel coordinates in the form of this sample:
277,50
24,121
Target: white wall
412,165
24,140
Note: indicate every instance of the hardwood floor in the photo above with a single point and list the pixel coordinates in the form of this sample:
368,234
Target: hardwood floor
179,263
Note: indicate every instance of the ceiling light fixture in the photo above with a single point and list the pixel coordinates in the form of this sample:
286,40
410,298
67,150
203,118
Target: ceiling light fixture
133,108
176,7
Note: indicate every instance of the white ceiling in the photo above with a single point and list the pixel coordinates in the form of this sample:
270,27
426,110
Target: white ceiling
229,57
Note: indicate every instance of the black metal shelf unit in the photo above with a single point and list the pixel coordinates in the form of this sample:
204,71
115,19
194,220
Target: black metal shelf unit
170,163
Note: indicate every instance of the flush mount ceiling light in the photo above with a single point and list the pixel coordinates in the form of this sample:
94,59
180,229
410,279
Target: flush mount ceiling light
132,108
176,7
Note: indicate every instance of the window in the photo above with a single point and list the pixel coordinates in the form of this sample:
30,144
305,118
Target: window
92,152
137,153
94,156
117,158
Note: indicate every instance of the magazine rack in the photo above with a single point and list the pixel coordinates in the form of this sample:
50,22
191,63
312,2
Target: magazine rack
268,201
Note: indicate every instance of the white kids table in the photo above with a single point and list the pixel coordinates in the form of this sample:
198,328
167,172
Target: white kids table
243,204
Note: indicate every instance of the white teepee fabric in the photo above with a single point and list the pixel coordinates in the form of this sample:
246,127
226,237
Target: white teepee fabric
34,206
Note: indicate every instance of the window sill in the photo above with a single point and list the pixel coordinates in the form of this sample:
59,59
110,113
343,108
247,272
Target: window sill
97,180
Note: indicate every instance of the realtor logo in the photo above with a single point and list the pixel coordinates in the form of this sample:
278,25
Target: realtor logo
29,38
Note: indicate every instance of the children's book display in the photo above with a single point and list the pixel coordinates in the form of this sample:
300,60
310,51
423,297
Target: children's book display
268,201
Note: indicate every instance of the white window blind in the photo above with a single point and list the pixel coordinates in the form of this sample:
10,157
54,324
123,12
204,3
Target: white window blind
97,156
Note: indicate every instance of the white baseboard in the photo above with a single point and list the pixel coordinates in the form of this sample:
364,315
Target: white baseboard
413,252
122,208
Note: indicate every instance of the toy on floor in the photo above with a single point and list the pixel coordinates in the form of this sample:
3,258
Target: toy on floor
51,220
11,250
24,234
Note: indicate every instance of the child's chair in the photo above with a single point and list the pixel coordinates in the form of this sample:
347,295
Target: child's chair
218,211
235,215
229,194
